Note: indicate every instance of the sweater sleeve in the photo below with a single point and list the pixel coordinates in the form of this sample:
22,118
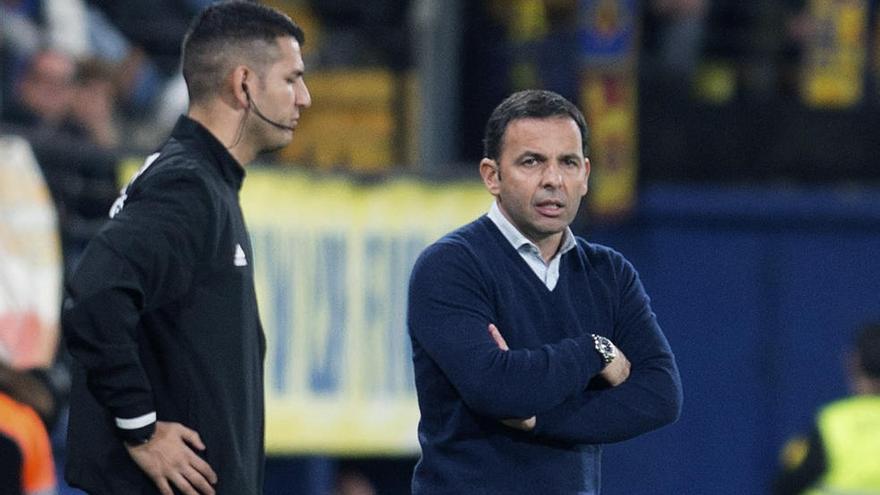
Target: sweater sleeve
448,316
143,258
650,398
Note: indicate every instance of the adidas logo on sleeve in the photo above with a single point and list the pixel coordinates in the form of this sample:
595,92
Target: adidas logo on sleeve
239,259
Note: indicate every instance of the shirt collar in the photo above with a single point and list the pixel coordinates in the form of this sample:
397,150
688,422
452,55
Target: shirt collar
517,239
191,131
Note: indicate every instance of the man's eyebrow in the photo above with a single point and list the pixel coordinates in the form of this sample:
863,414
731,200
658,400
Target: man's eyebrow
536,154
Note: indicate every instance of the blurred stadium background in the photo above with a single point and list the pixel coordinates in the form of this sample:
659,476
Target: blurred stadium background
734,149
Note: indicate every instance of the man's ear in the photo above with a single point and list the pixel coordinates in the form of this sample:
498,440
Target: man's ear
238,82
491,175
586,185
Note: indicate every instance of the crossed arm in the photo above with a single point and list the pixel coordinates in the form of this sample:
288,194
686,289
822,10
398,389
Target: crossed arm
545,388
449,310
648,398
645,392
615,373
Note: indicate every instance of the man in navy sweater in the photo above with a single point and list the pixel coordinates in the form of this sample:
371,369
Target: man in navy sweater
531,346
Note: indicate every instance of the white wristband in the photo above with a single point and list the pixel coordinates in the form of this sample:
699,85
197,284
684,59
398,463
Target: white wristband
135,423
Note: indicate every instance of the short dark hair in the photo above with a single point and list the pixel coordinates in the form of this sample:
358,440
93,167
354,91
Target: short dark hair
868,349
531,103
226,34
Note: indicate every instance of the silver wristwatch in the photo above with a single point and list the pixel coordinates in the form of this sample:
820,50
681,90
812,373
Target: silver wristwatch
605,348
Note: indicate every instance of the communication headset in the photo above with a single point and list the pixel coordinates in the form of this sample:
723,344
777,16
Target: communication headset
259,114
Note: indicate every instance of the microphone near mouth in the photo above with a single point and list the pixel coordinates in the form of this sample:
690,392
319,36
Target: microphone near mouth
262,117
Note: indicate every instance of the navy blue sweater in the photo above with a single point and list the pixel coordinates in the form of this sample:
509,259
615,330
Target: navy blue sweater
466,384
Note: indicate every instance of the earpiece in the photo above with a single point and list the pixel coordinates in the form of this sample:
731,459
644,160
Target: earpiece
259,114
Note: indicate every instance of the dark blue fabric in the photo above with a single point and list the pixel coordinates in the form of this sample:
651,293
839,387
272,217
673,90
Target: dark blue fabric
466,385
11,461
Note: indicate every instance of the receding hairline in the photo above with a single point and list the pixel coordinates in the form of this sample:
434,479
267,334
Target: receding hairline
560,116
531,103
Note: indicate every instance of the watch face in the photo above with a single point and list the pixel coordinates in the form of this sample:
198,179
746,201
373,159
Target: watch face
604,348
610,351
607,352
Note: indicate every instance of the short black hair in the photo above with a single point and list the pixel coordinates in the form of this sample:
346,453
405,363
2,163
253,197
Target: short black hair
868,349
226,34
530,103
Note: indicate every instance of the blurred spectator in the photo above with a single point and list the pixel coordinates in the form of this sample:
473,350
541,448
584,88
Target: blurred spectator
684,21
28,409
26,464
57,95
674,31
92,105
510,45
352,482
798,26
149,90
557,53
842,452
65,111
31,25
542,36
156,27
33,388
44,92
362,34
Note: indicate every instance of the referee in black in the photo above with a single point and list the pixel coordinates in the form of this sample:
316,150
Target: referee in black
160,315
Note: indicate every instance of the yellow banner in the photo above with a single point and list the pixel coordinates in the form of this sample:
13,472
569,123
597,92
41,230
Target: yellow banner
610,100
608,35
333,260
30,260
835,57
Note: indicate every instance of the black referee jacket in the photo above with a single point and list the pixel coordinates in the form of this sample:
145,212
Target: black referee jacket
160,316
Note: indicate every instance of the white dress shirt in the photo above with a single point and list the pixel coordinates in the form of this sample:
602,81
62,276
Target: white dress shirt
548,272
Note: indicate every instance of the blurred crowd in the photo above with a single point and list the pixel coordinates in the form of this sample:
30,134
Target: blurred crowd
91,82
719,50
86,82
98,70
94,70
105,73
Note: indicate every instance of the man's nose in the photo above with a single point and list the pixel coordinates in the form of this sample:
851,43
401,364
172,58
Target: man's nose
304,98
552,175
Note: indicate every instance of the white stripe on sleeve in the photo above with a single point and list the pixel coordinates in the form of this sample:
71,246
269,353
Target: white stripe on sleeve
135,423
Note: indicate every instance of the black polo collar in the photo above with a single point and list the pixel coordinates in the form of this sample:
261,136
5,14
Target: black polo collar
190,131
